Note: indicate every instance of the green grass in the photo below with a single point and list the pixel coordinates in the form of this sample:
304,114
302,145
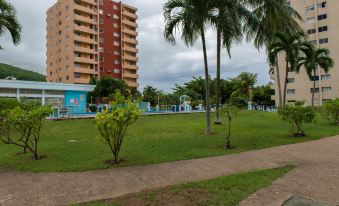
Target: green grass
226,191
155,139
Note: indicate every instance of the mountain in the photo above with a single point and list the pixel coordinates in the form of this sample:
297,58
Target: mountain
20,74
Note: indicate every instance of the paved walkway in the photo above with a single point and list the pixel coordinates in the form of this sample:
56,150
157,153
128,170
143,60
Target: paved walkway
316,177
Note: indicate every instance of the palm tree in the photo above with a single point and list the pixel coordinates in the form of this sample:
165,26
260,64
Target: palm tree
229,19
192,17
9,22
244,85
274,16
311,60
290,45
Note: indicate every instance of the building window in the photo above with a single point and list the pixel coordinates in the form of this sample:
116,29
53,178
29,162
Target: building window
311,31
323,41
101,30
115,25
101,21
326,77
116,52
102,69
116,43
116,61
76,65
326,89
115,7
101,40
67,57
77,54
290,80
322,28
102,59
310,20
101,2
117,71
116,34
313,42
116,16
101,11
101,49
322,17
77,75
310,8
67,77
291,91
316,90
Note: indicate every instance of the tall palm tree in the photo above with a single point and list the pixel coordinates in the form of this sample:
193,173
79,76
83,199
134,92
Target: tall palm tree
274,16
9,22
229,19
244,84
311,59
192,17
289,44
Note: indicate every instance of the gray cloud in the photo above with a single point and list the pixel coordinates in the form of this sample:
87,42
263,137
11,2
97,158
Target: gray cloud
161,64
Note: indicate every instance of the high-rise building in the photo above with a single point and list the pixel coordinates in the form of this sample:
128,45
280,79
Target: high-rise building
92,38
321,25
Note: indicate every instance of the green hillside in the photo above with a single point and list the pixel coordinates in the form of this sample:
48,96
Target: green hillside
20,74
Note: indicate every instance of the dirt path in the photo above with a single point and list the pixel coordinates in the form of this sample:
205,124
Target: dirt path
316,176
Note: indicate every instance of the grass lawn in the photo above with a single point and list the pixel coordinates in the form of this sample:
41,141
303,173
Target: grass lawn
226,191
155,139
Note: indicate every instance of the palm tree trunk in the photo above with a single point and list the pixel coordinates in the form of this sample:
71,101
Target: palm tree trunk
313,92
285,83
218,98
207,85
278,80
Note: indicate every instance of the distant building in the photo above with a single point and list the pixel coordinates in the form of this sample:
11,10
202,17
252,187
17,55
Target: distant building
320,23
88,38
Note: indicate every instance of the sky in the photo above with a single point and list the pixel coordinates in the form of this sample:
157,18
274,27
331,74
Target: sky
161,65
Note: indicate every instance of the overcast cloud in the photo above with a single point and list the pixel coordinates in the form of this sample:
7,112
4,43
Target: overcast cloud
161,64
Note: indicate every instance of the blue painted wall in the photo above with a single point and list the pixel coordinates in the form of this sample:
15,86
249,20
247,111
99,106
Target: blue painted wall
76,101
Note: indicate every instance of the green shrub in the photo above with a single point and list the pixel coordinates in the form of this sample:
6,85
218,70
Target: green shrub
8,103
296,115
331,111
113,124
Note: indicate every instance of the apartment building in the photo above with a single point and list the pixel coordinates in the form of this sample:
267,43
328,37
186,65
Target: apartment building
88,38
320,23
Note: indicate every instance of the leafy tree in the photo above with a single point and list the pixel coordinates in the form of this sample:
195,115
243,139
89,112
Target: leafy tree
108,86
150,94
8,103
230,111
192,17
290,45
263,95
243,85
297,114
331,111
22,127
112,125
135,94
311,60
229,19
273,16
9,22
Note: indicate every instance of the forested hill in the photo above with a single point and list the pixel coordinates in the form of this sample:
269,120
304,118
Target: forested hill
20,74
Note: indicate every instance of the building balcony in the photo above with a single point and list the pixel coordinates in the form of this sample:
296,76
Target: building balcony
85,50
85,30
131,58
85,60
272,76
128,31
85,70
85,39
130,49
130,23
129,14
129,40
84,19
88,2
131,67
81,80
132,84
84,9
131,76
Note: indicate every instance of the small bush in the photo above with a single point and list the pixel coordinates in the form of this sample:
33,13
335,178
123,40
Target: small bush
8,103
331,111
113,124
296,115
